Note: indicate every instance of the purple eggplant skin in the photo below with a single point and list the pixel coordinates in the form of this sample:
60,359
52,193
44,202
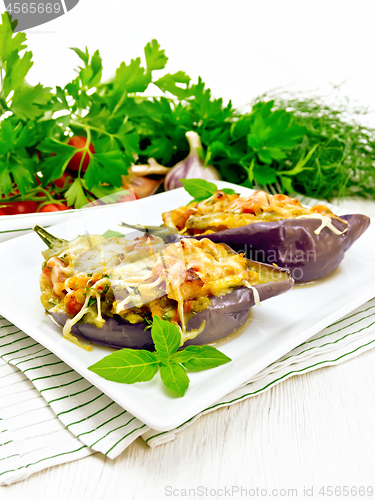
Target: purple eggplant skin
223,316
292,243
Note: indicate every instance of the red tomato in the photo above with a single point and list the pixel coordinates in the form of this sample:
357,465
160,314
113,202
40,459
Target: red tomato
19,207
129,197
47,270
79,142
60,182
73,306
46,276
54,207
2,212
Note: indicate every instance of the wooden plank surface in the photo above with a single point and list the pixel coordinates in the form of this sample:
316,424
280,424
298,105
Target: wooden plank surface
313,430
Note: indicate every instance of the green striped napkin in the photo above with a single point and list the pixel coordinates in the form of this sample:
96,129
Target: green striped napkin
50,415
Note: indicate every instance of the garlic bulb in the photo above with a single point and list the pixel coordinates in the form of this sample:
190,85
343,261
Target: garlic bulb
192,167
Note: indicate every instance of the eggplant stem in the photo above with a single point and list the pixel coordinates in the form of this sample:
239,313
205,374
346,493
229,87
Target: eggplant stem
139,227
167,234
48,238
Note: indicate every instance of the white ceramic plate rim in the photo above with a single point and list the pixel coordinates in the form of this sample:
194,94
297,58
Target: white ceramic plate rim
149,401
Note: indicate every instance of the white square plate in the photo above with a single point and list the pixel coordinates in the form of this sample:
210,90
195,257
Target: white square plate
280,324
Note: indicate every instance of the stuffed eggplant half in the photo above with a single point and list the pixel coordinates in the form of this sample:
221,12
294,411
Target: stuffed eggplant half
107,290
310,242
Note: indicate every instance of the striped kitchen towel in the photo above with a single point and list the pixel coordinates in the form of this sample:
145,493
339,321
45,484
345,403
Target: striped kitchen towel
50,415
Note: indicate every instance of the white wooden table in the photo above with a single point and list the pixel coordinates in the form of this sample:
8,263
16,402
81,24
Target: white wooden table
311,431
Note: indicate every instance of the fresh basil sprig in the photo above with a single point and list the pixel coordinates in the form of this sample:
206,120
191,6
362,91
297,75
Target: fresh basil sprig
201,189
132,365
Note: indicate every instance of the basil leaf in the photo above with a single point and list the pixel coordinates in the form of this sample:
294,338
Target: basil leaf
199,189
166,337
207,357
228,191
184,355
174,377
111,234
127,366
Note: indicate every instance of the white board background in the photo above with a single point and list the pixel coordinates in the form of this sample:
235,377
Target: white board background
240,48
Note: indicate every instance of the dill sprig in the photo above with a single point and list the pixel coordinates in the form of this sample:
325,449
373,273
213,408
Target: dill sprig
343,163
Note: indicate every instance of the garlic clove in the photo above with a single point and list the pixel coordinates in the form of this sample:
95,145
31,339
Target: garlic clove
153,168
192,167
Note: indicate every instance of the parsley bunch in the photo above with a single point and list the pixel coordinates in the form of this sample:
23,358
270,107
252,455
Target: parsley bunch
132,365
99,111
283,144
22,106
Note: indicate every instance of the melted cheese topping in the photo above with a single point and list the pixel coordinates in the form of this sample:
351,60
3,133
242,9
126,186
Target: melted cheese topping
326,222
136,279
223,211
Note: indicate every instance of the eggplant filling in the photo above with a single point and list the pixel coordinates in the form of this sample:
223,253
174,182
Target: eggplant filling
226,211
92,277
